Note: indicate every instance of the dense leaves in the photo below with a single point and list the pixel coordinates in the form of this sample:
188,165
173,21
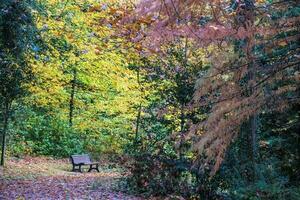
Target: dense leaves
83,94
200,97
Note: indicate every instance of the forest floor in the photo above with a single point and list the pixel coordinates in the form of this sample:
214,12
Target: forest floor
46,178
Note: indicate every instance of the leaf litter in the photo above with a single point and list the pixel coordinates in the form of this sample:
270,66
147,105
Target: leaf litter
43,178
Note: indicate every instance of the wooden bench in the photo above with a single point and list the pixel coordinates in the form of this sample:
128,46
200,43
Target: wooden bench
79,160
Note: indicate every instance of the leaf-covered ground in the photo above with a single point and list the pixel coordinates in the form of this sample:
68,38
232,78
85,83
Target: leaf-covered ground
46,178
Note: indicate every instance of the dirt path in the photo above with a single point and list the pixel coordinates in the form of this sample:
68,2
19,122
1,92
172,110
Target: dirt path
43,178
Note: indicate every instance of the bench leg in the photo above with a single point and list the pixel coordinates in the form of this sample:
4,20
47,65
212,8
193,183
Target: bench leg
91,168
74,169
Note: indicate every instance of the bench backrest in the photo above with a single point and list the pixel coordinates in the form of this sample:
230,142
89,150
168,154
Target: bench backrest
77,159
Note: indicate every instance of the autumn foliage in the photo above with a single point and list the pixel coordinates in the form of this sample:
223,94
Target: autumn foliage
247,74
201,97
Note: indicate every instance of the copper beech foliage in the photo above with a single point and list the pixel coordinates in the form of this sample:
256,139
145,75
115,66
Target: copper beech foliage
254,64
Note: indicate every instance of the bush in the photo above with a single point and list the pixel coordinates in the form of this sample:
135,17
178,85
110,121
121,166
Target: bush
42,135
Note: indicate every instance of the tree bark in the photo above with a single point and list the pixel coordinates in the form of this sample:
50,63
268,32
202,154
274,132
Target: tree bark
253,142
138,119
248,23
71,111
182,116
5,111
182,122
253,121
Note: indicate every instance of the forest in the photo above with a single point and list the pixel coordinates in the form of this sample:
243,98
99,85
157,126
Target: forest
175,99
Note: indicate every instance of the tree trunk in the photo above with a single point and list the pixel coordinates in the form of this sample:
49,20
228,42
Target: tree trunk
182,116
4,130
253,118
138,117
253,142
72,98
253,121
182,122
249,23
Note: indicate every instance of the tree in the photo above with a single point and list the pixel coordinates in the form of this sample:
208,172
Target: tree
99,99
249,82
237,85
17,36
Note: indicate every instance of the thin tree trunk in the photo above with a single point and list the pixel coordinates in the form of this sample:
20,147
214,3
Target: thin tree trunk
182,122
182,116
252,80
4,130
253,121
254,135
138,119
71,111
253,118
253,142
